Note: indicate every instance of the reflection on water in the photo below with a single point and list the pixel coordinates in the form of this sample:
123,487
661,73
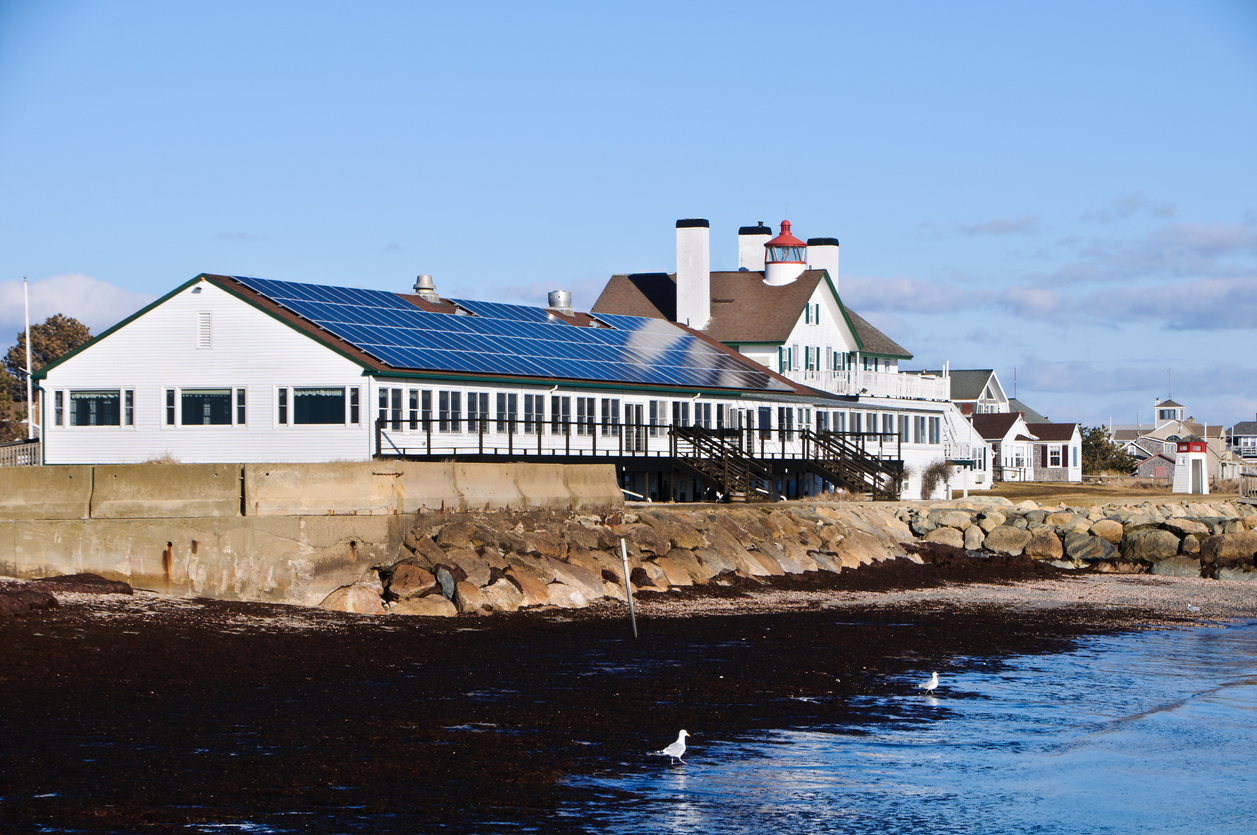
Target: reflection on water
1145,733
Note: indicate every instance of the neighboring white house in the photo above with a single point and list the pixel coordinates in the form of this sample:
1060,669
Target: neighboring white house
1242,440
1013,443
782,309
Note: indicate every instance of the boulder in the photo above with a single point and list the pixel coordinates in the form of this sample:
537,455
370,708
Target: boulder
1044,544
860,548
715,562
645,537
689,561
1150,545
957,519
1140,522
1176,567
432,606
411,581
990,520
1242,573
504,595
1059,519
947,536
588,583
1108,529
796,552
456,534
539,567
470,599
446,580
1190,545
1007,539
1080,546
427,553
975,537
477,570
566,597
768,562
545,544
1230,547
674,569
531,589
356,599
1182,527
1026,507
1120,567
586,538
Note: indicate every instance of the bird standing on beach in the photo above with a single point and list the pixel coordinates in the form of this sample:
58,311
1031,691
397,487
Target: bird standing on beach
929,685
1192,608
676,749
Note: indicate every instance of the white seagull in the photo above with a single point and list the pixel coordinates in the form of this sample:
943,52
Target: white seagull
928,686
1192,608
676,749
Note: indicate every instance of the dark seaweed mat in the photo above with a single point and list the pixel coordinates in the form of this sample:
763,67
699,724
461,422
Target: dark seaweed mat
134,724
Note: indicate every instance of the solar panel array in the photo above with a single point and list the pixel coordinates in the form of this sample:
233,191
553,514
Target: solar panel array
513,339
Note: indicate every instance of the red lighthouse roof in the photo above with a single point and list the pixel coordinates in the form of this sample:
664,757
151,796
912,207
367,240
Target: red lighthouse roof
785,238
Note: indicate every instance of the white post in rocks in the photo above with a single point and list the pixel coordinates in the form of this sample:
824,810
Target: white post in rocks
628,586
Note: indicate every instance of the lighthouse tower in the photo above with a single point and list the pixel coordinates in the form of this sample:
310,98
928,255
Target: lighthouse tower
785,257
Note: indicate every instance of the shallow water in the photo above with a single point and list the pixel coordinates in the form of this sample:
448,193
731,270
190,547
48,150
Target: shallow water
1151,732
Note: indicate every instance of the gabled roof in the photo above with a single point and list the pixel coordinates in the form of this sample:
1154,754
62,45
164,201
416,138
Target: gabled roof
1247,427
967,384
743,308
1169,404
1053,431
994,427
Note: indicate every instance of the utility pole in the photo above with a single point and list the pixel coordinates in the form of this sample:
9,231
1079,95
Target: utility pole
30,403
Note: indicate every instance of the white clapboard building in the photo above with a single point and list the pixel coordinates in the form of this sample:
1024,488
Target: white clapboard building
238,369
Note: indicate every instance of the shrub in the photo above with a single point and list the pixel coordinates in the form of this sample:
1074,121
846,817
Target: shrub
937,473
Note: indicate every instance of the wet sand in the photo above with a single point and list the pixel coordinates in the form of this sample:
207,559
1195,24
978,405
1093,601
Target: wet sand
143,713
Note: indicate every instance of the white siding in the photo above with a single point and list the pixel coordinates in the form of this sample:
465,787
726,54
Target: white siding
246,348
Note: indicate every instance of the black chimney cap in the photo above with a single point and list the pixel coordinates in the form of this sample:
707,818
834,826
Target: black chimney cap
693,222
822,242
756,230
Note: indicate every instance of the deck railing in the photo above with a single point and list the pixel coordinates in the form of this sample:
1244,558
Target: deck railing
20,454
1248,485
875,383
520,437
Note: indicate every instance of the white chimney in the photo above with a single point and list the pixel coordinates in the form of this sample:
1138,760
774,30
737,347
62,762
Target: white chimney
693,272
751,240
822,254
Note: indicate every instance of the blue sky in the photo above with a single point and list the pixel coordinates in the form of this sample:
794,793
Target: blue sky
1062,191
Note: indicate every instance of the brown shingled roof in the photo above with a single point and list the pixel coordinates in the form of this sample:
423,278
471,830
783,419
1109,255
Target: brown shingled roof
1053,431
994,426
743,308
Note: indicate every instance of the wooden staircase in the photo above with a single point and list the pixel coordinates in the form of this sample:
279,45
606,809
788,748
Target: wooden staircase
716,458
838,459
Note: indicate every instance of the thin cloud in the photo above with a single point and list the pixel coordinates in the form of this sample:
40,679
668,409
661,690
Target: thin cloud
97,304
1036,302
1024,225
1205,304
903,295
1128,205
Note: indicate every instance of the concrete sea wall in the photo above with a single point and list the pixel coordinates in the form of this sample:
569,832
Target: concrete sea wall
285,533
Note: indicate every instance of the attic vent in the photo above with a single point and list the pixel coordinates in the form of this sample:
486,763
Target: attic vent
204,330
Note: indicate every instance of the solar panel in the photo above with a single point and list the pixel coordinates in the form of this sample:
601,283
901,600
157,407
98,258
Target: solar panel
513,339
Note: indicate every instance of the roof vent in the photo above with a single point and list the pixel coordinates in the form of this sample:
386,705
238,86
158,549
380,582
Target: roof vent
425,289
560,300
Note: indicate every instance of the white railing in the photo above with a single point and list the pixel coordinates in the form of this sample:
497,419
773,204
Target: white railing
876,384
1248,485
20,454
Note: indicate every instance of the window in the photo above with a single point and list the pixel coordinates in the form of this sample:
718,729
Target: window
478,411
390,408
857,422
204,331
765,421
560,414
936,426
205,407
702,415
354,417
534,413
919,420
58,408
425,401
282,401
785,422
680,413
94,408
903,429
584,416
450,410
657,411
610,416
1075,456
414,409
888,424
508,405
1054,456
322,406
240,406
840,421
